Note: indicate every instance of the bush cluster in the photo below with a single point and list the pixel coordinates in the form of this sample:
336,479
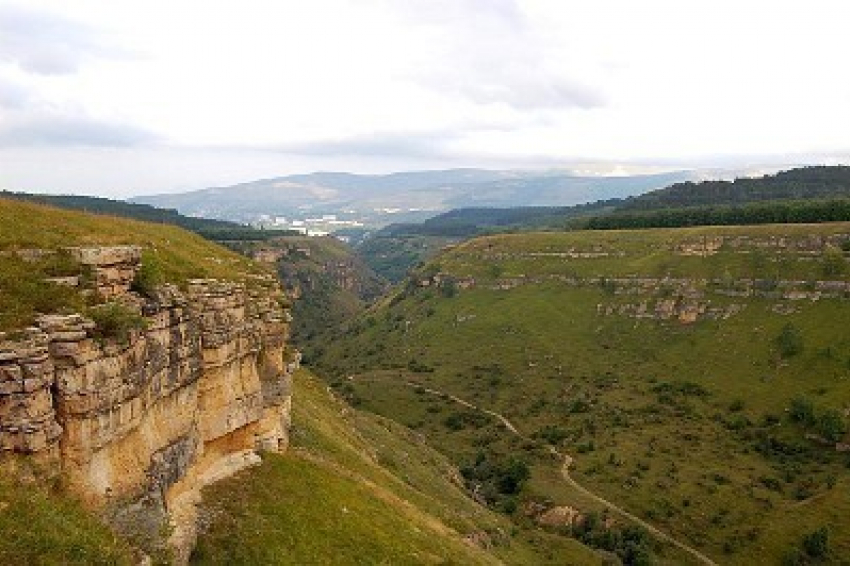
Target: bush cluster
115,322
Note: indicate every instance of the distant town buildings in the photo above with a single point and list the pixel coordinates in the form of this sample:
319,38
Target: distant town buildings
312,226
315,224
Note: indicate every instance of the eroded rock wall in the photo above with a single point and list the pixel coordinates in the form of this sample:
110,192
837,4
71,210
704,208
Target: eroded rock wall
189,398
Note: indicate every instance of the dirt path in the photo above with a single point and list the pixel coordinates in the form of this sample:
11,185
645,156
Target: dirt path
507,424
565,473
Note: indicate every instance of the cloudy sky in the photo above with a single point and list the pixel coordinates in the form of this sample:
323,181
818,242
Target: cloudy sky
123,97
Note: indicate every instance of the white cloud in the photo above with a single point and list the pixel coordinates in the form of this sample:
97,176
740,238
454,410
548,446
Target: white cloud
382,84
45,43
28,129
13,96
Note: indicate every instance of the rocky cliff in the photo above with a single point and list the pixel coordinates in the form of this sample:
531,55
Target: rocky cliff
139,423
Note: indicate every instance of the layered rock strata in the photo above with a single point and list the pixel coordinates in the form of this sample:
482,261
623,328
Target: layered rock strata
187,398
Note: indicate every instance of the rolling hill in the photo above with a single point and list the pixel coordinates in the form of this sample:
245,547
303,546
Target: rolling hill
697,378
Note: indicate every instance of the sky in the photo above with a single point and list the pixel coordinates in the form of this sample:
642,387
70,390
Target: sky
127,97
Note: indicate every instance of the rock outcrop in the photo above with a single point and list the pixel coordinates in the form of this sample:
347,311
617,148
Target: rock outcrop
113,268
189,396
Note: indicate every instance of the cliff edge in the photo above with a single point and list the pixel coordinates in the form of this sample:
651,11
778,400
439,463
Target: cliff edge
137,417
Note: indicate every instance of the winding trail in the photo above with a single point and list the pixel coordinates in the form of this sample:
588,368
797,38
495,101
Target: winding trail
565,474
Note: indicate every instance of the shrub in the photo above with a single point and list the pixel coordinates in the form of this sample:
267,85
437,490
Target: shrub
816,543
631,544
115,322
802,411
831,425
684,388
454,422
148,276
448,288
771,483
738,422
608,286
512,475
497,478
552,434
769,419
459,420
794,557
418,367
789,341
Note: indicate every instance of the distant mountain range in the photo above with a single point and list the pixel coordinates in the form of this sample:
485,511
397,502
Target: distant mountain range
410,196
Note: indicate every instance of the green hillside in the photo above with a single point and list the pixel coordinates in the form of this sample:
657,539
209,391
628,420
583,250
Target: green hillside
821,182
699,378
358,489
100,205
170,254
218,230
804,195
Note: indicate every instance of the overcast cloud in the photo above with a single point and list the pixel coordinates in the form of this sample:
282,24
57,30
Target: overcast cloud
154,96
45,43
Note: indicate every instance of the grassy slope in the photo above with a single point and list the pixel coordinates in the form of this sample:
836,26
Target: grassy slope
358,489
690,464
42,526
177,255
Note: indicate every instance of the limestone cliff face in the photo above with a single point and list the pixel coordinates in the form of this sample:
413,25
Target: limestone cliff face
188,399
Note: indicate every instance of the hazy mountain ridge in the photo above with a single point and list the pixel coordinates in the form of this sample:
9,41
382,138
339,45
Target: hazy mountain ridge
423,193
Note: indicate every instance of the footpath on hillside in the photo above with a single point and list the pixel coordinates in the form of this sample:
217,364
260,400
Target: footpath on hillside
567,461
